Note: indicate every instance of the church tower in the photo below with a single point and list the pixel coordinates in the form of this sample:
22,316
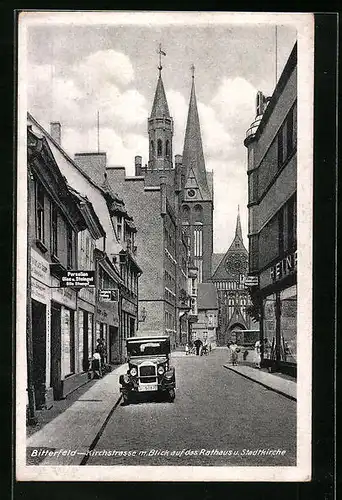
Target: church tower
160,129
229,277
197,202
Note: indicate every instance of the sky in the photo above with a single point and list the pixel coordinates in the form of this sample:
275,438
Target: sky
74,70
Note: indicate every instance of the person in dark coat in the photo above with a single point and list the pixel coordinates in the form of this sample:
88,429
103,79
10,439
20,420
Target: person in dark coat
198,344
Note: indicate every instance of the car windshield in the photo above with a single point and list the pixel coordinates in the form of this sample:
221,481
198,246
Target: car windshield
148,347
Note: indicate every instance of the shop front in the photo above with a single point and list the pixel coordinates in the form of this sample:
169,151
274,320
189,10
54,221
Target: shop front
66,367
278,295
40,307
128,320
107,329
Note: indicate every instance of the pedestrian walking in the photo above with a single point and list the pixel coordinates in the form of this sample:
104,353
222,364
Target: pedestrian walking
186,349
234,350
101,349
257,350
198,345
96,365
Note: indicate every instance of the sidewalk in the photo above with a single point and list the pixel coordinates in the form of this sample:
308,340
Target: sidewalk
75,429
271,381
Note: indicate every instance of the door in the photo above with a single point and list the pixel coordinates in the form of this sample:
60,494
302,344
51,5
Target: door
39,351
56,382
114,355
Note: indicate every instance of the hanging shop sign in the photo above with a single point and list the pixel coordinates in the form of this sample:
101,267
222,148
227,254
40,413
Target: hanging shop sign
252,281
77,278
285,267
109,295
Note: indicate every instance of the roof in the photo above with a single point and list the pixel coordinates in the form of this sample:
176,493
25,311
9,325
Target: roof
193,158
207,296
160,107
215,260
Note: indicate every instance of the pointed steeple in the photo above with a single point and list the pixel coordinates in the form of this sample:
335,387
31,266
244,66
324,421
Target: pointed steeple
160,107
238,239
238,230
193,158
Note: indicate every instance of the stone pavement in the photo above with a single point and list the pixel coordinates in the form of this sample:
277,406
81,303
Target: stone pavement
272,381
89,413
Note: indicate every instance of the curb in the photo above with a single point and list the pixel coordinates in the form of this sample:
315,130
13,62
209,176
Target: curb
278,391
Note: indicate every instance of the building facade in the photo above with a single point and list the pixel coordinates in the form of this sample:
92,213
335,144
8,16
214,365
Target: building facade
172,204
74,229
233,298
205,327
272,179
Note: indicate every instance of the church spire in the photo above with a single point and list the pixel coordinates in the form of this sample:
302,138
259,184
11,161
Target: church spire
160,107
160,127
193,158
238,230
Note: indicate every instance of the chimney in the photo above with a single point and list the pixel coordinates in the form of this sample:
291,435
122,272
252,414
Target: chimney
56,132
138,164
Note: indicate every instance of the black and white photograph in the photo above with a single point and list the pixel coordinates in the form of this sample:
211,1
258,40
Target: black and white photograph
164,251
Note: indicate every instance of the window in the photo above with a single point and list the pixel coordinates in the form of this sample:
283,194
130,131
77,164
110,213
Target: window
198,213
186,213
54,226
39,212
167,149
119,227
70,260
152,148
292,223
289,133
280,148
159,147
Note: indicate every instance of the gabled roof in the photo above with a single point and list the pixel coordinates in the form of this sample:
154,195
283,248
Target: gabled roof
193,158
215,261
160,107
207,296
237,246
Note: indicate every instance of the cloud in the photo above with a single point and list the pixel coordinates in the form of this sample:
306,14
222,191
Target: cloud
234,102
104,66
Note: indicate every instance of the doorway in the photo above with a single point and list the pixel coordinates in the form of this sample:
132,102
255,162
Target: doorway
114,354
39,351
56,382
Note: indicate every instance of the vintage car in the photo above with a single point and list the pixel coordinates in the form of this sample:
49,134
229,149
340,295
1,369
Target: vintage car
149,369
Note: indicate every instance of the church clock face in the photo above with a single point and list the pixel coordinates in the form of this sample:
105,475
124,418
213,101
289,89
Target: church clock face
236,263
191,193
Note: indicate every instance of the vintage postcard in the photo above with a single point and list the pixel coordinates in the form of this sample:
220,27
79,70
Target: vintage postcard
164,294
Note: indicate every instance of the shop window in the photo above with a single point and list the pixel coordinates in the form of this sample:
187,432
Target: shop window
159,147
40,212
68,342
269,324
288,325
54,230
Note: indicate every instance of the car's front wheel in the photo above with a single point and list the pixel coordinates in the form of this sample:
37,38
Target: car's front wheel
171,395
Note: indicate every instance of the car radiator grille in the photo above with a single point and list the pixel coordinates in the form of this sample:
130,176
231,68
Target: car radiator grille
148,371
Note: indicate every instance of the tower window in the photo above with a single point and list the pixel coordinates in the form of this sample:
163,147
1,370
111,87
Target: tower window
198,210
159,147
152,148
167,149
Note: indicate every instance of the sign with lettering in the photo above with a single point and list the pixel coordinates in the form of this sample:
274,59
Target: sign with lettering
252,281
283,268
109,295
77,278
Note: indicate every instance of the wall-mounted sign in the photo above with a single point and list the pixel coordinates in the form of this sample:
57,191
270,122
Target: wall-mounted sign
286,266
252,281
109,295
78,278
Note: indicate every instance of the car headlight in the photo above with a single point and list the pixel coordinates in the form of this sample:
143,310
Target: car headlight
133,371
160,370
